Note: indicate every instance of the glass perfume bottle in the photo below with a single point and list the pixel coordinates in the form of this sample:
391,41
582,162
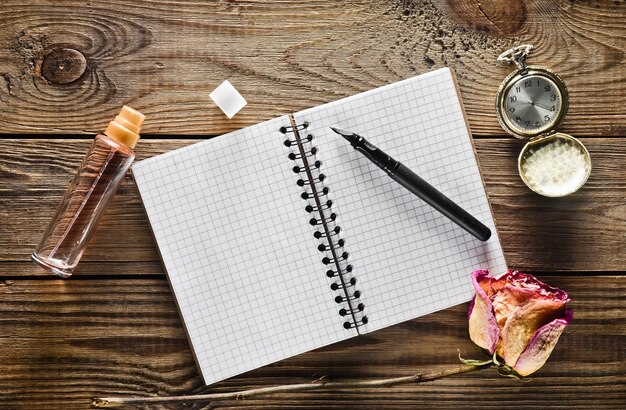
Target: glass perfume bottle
101,172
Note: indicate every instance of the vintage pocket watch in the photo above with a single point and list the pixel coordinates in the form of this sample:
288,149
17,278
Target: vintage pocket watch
531,102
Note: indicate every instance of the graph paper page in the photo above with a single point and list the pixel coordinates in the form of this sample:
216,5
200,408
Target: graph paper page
409,259
228,220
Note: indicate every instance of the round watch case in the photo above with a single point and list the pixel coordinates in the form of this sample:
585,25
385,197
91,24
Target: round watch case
551,164
508,83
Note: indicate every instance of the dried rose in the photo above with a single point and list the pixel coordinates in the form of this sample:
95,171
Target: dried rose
518,317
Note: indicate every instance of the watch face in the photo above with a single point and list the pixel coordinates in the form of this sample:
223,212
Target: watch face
532,104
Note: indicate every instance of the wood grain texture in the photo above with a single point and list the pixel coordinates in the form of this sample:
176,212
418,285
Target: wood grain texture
63,342
585,231
66,68
164,59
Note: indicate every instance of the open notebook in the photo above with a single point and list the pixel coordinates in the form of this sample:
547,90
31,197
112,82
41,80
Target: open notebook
267,260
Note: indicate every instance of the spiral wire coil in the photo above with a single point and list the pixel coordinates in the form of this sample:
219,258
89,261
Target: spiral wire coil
319,205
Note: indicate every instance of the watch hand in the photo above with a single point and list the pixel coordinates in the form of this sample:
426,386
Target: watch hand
535,104
541,106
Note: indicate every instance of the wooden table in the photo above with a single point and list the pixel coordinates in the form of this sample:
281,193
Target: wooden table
113,329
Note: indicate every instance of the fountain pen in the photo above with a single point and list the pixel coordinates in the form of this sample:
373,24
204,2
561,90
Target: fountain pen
411,181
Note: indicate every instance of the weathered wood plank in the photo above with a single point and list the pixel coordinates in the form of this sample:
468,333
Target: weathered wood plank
284,56
585,231
63,342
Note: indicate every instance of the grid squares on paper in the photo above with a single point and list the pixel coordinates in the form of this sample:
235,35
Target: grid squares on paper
228,220
409,259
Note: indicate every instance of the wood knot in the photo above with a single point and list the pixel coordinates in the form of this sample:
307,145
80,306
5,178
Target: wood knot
63,66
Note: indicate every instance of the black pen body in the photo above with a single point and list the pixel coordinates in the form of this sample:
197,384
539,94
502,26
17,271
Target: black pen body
429,194
414,183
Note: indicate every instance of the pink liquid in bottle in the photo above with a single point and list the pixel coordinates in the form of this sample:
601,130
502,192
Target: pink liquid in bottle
100,174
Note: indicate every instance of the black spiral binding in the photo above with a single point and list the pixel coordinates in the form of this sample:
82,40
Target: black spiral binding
319,205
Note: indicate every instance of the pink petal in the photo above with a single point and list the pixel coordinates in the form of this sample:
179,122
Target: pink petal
507,300
541,345
483,327
529,282
524,322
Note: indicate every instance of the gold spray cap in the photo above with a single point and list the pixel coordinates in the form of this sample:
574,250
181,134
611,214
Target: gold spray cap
126,126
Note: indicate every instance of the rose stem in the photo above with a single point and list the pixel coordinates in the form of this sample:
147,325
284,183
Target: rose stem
319,384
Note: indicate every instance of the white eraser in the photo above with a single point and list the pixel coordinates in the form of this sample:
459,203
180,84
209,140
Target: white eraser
228,99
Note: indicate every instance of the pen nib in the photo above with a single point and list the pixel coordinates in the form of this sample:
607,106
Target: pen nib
343,133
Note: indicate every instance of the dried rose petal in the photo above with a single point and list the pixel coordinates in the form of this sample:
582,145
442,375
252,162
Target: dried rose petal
541,345
482,320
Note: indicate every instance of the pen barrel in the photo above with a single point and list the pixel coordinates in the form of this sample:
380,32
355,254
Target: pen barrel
429,194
